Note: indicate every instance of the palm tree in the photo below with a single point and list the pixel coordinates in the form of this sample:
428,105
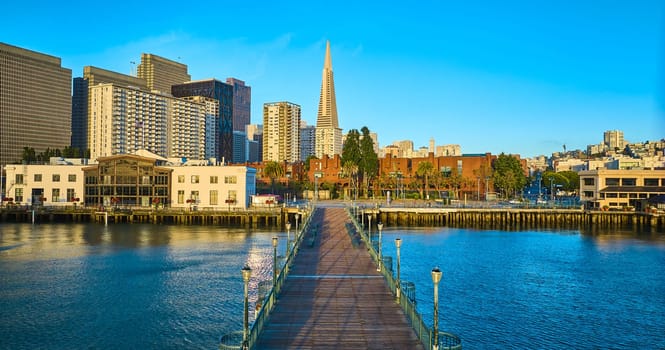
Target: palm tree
425,169
350,169
273,170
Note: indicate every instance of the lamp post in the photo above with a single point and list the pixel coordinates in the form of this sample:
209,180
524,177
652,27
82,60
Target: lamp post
378,267
288,237
297,216
317,175
487,186
478,189
369,228
246,274
552,189
398,244
274,263
436,278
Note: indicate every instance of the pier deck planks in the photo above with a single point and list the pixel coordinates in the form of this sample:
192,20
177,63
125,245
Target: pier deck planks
333,298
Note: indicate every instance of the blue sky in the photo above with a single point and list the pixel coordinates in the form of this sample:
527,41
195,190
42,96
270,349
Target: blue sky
522,77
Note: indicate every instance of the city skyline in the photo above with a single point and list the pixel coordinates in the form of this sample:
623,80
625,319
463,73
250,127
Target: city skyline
492,78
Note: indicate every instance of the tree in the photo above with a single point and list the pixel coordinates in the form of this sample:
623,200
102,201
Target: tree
350,170
425,169
567,180
483,174
573,180
508,175
273,170
28,155
369,160
351,149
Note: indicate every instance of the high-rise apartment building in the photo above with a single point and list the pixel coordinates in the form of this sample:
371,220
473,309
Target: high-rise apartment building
210,129
125,120
35,103
328,132
307,141
281,132
161,73
223,93
81,99
242,103
613,139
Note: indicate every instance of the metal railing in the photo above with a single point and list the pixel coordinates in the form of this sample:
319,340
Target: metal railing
407,301
231,341
269,302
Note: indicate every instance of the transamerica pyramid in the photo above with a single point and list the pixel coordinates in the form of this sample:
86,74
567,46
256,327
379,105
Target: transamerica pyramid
328,133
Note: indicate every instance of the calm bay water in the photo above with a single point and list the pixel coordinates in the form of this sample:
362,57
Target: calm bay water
174,287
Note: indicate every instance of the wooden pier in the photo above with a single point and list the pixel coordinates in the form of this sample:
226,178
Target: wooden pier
518,219
334,298
250,218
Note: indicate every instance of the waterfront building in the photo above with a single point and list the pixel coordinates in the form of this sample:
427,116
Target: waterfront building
242,104
307,140
52,185
213,187
281,132
464,174
127,180
35,103
328,133
133,181
223,93
125,119
161,73
620,189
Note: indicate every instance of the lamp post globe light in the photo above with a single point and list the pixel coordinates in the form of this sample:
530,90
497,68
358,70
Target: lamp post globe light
288,237
274,262
369,228
378,267
436,278
246,274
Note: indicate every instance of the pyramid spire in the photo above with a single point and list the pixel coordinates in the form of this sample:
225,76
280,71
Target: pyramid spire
328,62
327,116
328,134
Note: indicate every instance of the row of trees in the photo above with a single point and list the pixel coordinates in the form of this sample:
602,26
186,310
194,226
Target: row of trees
506,175
359,161
30,156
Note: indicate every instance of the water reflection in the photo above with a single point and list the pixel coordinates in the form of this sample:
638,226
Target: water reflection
182,282
539,289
